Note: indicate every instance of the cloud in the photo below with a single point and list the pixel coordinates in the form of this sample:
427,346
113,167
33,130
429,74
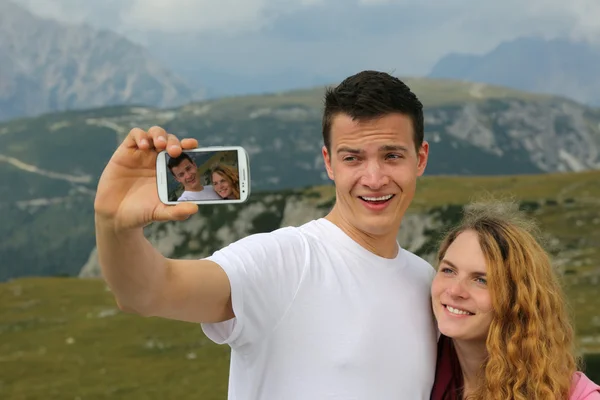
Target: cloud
580,18
224,16
575,18
99,13
318,40
231,16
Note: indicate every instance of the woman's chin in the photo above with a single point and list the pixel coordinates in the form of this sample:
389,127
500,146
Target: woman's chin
452,332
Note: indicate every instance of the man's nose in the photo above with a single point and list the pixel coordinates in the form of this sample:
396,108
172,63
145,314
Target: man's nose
375,176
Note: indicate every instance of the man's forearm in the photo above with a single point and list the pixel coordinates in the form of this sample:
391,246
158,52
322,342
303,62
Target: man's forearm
133,269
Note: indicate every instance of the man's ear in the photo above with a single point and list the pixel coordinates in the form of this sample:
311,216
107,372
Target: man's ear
422,157
327,161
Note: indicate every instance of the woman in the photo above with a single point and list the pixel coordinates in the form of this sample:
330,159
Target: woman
505,333
226,181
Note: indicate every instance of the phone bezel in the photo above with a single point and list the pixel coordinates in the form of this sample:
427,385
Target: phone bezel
243,168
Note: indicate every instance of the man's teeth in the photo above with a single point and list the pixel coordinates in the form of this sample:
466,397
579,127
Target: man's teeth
382,198
457,311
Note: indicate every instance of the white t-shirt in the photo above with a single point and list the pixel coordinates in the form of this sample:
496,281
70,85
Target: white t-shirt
320,317
208,193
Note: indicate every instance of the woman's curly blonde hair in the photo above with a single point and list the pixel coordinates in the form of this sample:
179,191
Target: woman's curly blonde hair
530,342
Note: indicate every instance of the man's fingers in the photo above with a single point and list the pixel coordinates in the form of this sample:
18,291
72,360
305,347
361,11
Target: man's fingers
159,137
189,143
173,145
137,138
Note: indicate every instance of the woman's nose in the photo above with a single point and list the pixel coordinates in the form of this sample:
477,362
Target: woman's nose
457,289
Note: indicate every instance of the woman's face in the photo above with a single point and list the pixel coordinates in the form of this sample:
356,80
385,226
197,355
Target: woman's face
460,297
221,185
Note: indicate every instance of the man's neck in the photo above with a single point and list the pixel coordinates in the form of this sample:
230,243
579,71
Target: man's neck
471,356
384,245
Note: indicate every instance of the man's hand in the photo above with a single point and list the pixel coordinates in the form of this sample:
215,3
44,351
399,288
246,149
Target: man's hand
127,195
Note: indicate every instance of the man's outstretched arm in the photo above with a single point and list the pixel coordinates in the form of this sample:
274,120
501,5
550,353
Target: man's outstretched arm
145,282
142,279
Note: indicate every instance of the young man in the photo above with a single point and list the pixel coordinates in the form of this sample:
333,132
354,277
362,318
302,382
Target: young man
185,171
333,309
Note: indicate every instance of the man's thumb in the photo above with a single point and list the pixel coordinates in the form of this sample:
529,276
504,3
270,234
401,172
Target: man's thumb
178,212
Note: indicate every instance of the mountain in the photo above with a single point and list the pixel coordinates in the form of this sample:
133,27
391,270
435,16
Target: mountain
104,352
559,66
50,164
48,66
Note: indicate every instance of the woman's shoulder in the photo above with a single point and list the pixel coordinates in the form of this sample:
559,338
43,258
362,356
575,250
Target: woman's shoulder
584,388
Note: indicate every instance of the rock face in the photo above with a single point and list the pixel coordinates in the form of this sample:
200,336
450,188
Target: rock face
47,66
565,206
550,136
193,238
91,269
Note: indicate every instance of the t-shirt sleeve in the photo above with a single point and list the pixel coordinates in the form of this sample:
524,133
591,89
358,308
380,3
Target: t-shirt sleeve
264,271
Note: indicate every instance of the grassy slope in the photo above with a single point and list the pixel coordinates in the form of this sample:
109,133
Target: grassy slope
125,356
118,356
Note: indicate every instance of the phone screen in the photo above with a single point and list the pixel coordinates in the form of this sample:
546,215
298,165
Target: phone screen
209,176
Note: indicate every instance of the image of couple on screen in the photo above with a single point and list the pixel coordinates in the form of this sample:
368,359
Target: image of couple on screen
214,179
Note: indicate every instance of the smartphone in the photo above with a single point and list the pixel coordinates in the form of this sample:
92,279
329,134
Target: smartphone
208,175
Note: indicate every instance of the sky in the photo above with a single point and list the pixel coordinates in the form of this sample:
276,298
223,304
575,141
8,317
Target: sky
319,40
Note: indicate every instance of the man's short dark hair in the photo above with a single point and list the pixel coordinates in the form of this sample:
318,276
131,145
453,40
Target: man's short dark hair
372,94
175,161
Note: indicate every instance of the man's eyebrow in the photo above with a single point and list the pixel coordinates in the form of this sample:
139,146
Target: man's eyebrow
348,150
388,147
393,148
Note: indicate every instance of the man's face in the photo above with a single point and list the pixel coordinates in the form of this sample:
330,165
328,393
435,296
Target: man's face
375,167
186,173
